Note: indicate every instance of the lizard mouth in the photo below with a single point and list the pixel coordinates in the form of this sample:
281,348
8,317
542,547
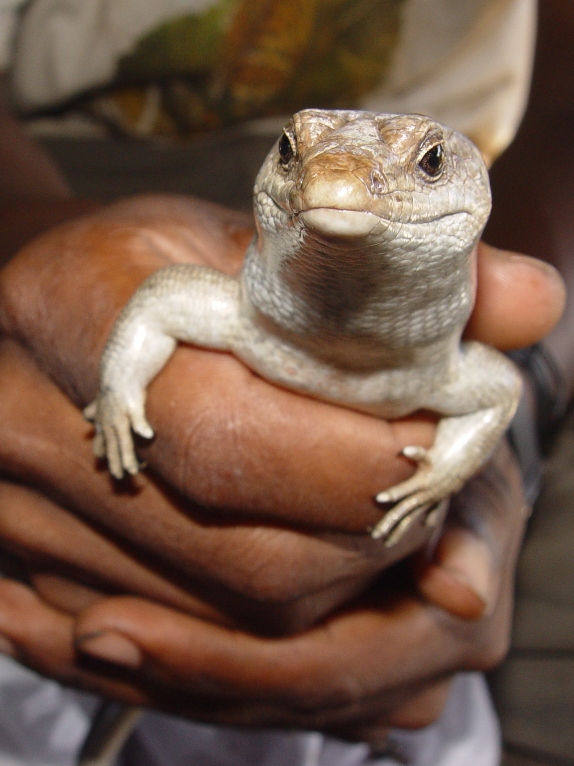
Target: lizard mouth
344,222
340,223
329,221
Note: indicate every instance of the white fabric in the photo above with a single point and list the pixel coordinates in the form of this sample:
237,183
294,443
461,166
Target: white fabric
41,722
470,69
66,46
466,63
467,734
44,724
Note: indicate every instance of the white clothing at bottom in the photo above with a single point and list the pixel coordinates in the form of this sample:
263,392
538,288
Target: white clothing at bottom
44,724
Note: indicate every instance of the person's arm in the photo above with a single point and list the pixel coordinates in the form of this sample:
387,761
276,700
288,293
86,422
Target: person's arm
34,195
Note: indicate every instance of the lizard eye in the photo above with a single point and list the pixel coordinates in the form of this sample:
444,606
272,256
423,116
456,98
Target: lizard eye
286,151
432,161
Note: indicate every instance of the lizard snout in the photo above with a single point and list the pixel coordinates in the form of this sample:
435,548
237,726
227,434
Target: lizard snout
335,193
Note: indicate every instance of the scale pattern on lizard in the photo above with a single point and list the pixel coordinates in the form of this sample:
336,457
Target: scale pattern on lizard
355,290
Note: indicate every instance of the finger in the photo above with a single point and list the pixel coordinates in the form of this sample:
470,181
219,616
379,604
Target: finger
423,708
371,719
472,564
23,622
334,667
519,299
458,578
41,638
58,546
422,705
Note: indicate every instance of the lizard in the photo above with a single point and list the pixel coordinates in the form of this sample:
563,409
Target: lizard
355,290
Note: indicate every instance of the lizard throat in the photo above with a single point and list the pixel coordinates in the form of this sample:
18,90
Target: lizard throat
355,294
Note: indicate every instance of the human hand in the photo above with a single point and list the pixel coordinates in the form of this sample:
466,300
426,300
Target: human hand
270,577
384,660
238,563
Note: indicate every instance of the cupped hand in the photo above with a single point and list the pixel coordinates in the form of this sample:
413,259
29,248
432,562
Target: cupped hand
383,660
226,439
253,512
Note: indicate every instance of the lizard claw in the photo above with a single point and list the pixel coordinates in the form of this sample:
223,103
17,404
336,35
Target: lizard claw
89,412
114,421
397,521
420,479
416,453
140,424
426,491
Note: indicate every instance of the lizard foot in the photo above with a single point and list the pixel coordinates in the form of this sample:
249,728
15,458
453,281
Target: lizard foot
114,422
395,524
425,493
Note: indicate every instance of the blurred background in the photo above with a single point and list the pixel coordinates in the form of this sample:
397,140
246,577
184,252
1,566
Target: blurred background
533,213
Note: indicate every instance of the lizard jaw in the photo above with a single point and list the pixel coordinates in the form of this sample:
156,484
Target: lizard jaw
339,223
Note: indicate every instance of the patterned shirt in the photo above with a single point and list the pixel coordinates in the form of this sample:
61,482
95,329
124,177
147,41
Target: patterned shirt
176,67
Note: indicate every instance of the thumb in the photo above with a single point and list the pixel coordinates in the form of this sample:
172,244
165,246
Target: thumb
518,301
459,576
473,562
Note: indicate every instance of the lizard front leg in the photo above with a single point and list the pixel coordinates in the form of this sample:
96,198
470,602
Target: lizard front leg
194,304
488,383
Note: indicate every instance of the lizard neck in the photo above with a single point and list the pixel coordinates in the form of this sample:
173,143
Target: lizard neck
355,302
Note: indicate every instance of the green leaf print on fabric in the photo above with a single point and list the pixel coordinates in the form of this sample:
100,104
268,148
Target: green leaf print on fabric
188,45
353,42
244,59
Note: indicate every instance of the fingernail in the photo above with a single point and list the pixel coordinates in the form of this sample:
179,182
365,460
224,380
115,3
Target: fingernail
468,559
112,647
536,263
7,647
513,257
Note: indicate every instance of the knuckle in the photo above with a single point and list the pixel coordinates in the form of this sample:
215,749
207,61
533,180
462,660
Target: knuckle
271,568
424,709
341,696
492,653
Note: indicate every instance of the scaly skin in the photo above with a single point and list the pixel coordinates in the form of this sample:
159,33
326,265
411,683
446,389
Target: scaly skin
355,290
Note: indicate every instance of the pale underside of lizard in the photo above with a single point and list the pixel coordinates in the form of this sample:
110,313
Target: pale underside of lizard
355,290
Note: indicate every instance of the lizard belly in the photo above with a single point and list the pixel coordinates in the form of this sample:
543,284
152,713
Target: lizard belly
385,393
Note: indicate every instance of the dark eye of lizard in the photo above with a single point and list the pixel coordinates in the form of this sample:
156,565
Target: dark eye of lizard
432,162
286,152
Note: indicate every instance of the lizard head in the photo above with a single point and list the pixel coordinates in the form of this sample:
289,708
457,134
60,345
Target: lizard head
349,173
359,212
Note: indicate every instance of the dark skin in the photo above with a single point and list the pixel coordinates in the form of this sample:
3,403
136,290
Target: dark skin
178,600
34,196
229,544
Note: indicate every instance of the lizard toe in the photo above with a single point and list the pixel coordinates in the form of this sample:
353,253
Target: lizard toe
90,411
395,523
418,454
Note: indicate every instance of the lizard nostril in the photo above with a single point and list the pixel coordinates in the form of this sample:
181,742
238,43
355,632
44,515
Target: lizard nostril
377,182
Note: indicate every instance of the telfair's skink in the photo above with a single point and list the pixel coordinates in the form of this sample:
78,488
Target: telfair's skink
355,290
